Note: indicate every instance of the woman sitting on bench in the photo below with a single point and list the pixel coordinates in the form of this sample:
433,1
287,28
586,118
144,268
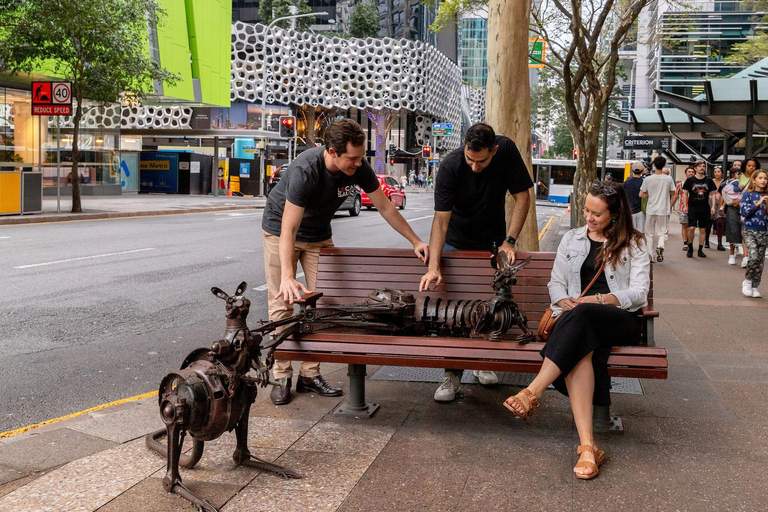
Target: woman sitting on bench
609,254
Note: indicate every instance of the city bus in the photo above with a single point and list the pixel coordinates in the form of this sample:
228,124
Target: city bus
554,178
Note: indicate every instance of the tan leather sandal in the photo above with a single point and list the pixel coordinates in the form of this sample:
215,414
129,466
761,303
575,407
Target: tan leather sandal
526,401
599,457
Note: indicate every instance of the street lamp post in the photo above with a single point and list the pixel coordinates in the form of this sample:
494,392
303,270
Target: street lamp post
264,88
605,131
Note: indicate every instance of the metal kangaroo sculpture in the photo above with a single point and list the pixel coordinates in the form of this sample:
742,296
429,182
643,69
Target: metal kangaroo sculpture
213,391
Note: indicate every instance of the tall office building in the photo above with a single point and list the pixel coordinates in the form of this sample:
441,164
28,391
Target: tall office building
676,50
247,11
473,49
410,19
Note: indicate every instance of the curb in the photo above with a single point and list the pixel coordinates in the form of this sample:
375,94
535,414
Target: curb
69,217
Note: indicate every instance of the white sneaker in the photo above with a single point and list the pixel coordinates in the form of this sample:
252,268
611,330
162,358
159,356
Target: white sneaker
744,262
486,378
732,259
746,288
449,388
739,250
755,293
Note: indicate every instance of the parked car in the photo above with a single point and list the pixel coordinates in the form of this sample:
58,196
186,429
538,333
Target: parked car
353,203
392,190
275,178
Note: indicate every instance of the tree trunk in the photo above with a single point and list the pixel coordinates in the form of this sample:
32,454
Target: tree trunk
76,206
586,170
310,125
508,94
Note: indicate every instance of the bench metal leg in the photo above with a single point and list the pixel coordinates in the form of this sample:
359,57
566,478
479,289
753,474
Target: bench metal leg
356,406
603,422
649,333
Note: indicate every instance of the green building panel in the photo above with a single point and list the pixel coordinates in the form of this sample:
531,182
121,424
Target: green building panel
209,24
173,47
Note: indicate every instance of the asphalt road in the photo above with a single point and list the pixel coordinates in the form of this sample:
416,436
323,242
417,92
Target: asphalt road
96,311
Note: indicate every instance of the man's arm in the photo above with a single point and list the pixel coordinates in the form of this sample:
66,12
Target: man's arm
436,245
290,288
519,214
394,219
643,194
684,200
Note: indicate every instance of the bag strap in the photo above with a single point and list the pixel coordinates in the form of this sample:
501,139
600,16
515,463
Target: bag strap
599,271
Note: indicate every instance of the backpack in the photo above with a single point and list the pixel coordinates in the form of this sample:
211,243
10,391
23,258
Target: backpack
731,192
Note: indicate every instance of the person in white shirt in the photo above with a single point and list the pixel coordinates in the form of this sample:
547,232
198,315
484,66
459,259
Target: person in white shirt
659,189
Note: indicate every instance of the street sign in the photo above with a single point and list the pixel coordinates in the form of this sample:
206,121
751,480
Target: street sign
250,149
434,160
642,142
537,51
51,99
442,129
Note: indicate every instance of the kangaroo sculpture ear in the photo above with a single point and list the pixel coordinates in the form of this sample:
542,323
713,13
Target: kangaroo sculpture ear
220,294
241,289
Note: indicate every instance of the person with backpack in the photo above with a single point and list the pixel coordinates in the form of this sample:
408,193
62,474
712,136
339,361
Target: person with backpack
753,211
730,202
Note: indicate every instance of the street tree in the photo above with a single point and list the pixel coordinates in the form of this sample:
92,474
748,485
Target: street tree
364,20
272,9
583,41
100,47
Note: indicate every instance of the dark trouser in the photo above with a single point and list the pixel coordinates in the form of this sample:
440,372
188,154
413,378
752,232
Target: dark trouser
591,328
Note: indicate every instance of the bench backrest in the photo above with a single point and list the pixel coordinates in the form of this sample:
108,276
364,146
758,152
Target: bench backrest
348,274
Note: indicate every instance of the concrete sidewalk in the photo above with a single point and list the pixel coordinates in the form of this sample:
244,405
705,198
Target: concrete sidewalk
133,205
698,441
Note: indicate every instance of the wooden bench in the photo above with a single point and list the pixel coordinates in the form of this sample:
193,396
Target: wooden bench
348,275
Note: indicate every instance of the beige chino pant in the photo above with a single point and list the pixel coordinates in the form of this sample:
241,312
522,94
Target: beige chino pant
309,256
656,232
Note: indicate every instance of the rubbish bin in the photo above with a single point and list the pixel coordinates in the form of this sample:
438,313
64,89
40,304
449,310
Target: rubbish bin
10,192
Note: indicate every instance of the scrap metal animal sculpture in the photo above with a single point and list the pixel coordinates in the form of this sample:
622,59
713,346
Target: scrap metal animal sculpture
213,391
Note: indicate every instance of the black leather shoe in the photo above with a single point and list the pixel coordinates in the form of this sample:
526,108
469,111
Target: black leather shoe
317,385
281,395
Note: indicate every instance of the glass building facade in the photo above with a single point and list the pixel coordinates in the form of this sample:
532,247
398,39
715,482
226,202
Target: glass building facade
473,48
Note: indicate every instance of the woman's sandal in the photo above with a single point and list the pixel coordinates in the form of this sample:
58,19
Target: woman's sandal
599,457
526,401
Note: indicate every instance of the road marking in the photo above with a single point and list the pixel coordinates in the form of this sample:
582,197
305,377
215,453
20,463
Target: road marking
4,237
420,218
544,229
264,286
86,258
11,433
235,216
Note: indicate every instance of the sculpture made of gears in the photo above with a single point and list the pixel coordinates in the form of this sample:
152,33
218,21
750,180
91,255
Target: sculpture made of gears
213,391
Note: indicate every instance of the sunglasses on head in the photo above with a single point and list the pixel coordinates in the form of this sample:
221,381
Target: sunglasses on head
601,188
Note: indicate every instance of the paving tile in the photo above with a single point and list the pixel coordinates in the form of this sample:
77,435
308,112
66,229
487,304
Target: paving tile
87,483
732,360
731,373
149,495
50,449
328,436
675,478
9,474
11,486
393,487
122,425
414,445
275,432
266,500
709,436
327,473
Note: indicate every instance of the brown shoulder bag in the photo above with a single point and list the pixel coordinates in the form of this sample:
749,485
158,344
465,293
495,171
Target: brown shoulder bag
548,320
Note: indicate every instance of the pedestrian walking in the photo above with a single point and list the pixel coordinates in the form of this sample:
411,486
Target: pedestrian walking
659,189
632,189
682,215
753,202
698,194
719,219
731,201
748,167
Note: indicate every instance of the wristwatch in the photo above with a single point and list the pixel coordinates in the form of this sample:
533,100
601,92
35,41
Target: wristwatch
510,240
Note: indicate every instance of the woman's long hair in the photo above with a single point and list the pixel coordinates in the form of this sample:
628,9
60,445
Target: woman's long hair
620,235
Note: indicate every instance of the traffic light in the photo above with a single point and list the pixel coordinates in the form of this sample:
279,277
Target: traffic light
575,153
426,151
287,127
392,161
392,149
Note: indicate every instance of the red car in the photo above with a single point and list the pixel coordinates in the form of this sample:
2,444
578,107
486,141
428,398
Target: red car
392,189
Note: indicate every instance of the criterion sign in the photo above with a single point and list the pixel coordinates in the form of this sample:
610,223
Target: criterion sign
51,98
442,129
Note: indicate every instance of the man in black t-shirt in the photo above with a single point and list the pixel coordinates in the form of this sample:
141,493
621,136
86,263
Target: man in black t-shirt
699,203
470,194
297,225
632,189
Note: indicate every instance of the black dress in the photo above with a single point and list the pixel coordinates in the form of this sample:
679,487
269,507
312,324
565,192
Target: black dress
591,328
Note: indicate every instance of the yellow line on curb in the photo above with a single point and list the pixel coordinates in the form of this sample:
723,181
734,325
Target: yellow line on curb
544,229
11,433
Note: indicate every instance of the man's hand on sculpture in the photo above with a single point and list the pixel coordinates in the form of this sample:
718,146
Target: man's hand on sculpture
291,290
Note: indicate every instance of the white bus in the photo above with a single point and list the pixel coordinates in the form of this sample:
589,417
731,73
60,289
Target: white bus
554,178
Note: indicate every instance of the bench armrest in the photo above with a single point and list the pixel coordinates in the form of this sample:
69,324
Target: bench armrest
309,299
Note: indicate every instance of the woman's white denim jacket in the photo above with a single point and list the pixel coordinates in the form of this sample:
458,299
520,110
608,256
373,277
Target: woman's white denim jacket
629,282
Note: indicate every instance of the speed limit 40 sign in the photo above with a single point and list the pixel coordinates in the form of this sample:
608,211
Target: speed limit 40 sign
51,98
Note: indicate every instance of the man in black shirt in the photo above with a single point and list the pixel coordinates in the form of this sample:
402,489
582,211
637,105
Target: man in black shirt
470,193
699,203
632,189
297,225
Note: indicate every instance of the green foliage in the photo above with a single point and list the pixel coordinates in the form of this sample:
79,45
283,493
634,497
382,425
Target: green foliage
750,51
364,20
303,24
99,46
272,9
563,146
449,11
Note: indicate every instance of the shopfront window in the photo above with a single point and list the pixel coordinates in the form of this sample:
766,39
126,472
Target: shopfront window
19,131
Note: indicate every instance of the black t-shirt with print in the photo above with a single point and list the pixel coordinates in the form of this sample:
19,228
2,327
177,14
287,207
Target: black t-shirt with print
476,200
309,184
698,193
